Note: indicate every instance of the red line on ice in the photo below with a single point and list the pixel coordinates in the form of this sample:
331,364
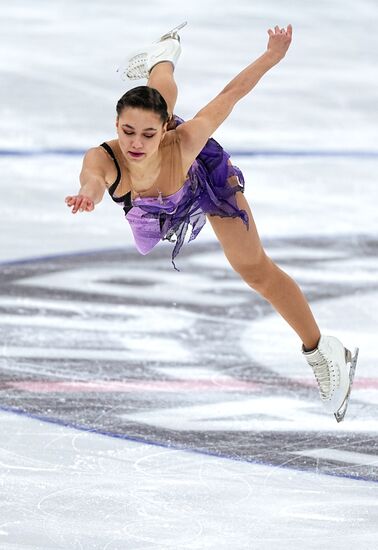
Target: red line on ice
216,384
132,385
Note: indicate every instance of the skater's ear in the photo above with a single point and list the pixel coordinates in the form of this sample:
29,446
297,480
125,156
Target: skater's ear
164,130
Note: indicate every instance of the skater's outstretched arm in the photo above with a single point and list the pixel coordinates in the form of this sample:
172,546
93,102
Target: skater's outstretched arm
197,131
92,183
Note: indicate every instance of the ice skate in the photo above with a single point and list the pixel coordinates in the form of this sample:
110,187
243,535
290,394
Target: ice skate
139,64
334,368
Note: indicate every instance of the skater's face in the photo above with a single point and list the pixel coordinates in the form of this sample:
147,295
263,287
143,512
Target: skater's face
139,133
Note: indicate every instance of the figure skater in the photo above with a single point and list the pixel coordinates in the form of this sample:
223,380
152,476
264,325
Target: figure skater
168,174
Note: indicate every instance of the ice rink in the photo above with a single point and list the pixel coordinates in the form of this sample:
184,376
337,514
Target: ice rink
143,408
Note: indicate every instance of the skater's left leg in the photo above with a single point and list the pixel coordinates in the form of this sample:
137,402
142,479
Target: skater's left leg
246,255
162,79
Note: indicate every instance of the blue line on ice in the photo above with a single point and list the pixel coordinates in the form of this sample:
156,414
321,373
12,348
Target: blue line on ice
262,152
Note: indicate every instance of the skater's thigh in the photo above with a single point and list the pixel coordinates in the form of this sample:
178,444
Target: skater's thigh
241,245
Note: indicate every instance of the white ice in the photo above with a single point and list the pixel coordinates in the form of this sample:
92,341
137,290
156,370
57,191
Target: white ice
76,490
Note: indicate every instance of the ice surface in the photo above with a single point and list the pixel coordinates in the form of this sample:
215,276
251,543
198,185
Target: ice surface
67,489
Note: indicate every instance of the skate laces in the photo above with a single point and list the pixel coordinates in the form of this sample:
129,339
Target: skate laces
136,68
326,373
321,372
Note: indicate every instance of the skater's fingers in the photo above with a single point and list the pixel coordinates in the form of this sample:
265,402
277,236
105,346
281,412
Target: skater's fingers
69,200
270,32
87,205
78,204
289,31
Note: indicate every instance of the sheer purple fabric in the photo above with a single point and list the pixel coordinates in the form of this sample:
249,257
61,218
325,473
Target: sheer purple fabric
207,190
146,229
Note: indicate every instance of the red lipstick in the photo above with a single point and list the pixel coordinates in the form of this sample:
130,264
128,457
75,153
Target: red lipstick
135,155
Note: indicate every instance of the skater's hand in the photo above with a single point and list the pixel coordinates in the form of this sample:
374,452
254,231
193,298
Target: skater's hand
79,203
279,41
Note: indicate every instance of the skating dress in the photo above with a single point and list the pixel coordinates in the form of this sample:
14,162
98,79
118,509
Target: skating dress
209,188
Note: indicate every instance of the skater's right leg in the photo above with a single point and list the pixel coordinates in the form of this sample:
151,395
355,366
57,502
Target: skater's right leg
333,365
244,251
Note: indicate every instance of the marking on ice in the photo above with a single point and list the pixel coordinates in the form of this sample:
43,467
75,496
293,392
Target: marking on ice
152,386
362,459
156,350
253,415
251,153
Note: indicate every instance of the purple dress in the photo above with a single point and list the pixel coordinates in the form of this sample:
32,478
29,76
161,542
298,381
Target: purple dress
206,190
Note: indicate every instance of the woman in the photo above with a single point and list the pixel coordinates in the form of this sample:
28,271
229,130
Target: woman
169,174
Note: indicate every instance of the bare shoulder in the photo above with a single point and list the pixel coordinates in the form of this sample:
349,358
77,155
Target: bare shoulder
98,162
96,157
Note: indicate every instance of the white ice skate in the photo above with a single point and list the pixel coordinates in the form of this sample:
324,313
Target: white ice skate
334,368
139,64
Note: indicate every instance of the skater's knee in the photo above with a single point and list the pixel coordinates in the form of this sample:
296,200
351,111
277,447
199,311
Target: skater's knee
256,271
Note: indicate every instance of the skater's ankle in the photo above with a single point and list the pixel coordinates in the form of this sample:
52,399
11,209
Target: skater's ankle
310,346
163,66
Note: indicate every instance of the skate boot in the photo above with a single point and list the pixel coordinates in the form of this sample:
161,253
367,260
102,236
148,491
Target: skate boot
139,64
334,368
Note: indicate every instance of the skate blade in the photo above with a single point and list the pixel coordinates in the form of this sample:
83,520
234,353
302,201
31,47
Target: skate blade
340,413
173,33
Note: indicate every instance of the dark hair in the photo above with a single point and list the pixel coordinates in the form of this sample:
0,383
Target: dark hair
147,98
